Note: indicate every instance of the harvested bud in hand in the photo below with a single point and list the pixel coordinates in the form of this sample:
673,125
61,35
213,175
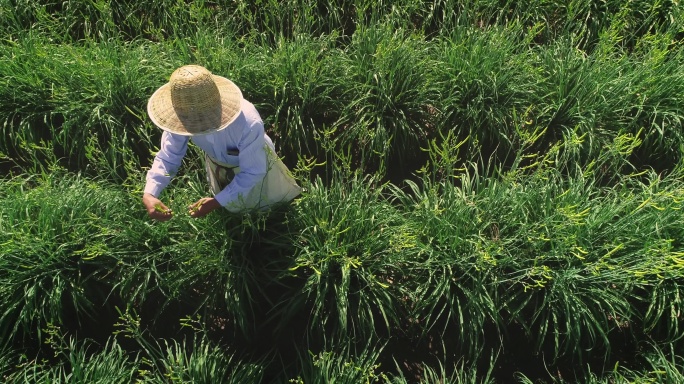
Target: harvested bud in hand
161,209
196,207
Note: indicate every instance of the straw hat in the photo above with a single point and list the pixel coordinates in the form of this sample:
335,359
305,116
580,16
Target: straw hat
194,102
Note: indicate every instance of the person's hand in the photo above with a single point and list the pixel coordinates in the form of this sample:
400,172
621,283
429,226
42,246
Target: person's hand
155,208
203,207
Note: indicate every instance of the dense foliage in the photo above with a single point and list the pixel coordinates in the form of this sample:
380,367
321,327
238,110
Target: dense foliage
494,193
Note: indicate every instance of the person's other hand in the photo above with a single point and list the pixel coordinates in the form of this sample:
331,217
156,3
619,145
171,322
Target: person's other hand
203,207
155,208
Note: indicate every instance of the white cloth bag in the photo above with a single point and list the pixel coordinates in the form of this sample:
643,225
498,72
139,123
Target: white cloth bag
278,186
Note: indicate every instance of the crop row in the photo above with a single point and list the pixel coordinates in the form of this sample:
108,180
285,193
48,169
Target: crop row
579,270
382,92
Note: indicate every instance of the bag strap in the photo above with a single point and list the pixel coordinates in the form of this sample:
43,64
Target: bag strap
220,163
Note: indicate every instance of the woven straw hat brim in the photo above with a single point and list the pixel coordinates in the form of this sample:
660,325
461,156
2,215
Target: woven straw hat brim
163,114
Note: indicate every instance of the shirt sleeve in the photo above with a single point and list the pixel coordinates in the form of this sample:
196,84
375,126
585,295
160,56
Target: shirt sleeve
253,161
166,162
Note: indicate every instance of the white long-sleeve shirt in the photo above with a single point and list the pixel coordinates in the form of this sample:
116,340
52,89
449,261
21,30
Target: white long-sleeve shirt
245,135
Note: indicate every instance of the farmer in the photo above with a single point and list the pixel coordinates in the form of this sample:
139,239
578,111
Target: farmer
243,170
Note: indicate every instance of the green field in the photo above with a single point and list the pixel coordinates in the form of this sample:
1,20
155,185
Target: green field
494,193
